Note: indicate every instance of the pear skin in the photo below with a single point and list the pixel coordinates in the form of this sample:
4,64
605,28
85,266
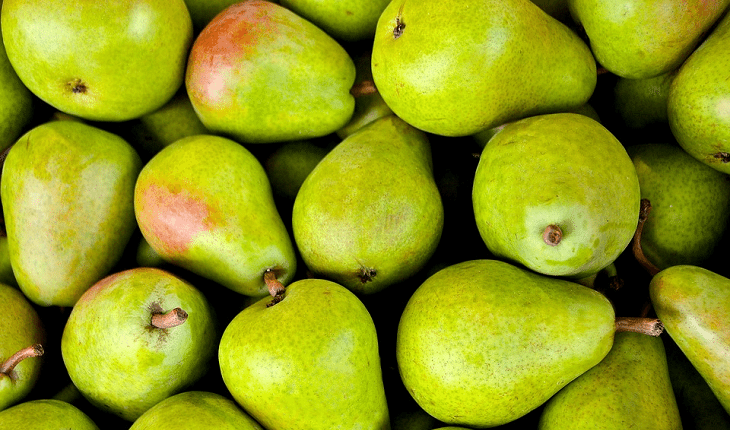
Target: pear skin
43,414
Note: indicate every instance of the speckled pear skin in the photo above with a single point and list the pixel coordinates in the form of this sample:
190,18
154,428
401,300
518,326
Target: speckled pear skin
559,169
370,214
482,342
118,360
20,327
196,409
698,106
346,20
459,67
310,361
690,205
693,303
77,56
204,203
16,102
84,176
640,39
259,73
629,389
43,414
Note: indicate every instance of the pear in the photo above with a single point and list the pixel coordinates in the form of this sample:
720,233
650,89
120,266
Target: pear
204,203
137,337
698,101
457,67
642,103
16,102
639,39
259,73
289,165
306,360
6,269
45,414
196,409
690,205
556,193
629,389
203,11
693,303
77,55
346,20
67,193
370,214
22,334
482,343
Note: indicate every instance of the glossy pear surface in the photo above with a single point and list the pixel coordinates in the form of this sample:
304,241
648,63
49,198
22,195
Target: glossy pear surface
482,342
45,414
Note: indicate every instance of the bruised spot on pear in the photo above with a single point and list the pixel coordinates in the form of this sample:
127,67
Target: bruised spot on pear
366,274
724,157
399,26
77,86
173,217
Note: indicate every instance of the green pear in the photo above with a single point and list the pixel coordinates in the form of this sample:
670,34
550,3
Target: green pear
698,405
290,164
196,409
77,55
203,11
137,337
639,39
629,389
146,256
641,103
415,419
67,193
308,361
260,73
6,269
482,343
346,20
693,303
698,107
20,330
16,101
45,414
556,193
204,203
457,67
558,9
370,214
690,205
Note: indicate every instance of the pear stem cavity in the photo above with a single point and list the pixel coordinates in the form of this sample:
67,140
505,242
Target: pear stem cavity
171,319
647,326
552,235
636,245
30,351
276,288
363,88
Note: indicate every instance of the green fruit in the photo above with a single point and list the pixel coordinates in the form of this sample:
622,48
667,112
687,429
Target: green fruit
641,39
482,343
346,20
20,327
309,361
694,304
642,103
556,193
120,357
196,409
6,269
628,389
455,68
698,106
290,164
203,11
204,203
67,192
77,55
260,73
16,102
690,205
45,414
370,214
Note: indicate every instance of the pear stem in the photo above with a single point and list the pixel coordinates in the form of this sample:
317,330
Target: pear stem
647,326
363,88
276,288
644,210
29,351
171,319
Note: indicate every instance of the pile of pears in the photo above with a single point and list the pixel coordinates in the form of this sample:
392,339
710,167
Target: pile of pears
365,215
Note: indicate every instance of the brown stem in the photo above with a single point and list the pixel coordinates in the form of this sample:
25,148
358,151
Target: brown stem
363,88
647,326
30,351
552,235
171,319
636,241
276,288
